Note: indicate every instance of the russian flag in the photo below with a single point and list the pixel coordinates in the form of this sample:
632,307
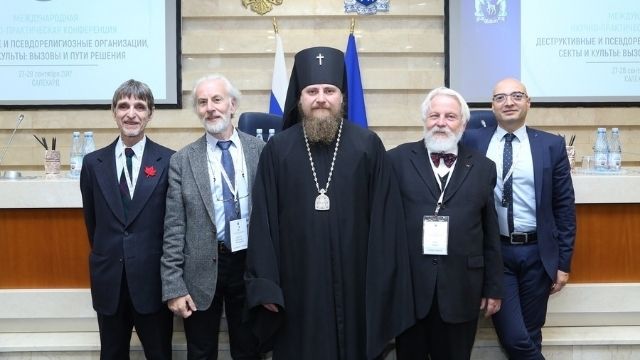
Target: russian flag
279,81
356,111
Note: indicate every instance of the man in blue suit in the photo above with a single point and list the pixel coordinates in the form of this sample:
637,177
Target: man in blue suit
124,187
536,210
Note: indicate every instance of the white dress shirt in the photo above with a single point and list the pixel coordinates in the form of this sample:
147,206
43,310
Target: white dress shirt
214,154
136,161
524,192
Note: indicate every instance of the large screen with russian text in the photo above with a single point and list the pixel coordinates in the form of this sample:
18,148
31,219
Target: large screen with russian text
77,52
578,52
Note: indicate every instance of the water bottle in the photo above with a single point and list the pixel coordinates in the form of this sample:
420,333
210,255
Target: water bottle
89,145
259,134
601,150
615,150
271,133
75,157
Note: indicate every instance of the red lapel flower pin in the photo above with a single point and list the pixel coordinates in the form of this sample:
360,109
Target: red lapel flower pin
150,171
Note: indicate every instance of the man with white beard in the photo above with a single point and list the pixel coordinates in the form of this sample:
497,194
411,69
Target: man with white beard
452,232
206,221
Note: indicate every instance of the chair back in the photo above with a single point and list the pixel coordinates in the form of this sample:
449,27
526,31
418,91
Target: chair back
249,122
481,118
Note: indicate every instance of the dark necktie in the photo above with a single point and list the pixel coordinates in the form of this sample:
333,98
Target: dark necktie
230,209
448,158
124,188
507,191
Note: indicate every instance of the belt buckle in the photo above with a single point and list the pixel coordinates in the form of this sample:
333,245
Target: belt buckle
518,234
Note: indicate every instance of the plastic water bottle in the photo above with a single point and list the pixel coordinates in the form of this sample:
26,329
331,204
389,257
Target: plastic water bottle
271,133
601,150
615,150
75,157
259,134
89,144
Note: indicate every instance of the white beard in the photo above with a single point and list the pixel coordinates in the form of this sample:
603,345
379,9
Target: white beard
440,144
216,127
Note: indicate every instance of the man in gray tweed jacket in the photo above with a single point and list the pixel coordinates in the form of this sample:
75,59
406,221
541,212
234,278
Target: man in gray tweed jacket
205,229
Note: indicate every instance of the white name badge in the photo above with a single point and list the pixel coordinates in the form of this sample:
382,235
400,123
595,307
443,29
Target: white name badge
435,235
238,234
503,222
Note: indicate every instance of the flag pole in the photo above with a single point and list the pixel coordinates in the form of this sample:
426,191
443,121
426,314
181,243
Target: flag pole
275,25
353,26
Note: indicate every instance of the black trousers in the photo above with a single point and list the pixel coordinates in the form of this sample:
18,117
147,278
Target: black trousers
432,338
154,330
202,327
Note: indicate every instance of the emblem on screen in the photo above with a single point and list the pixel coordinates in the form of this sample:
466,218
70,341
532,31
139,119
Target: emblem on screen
366,7
491,11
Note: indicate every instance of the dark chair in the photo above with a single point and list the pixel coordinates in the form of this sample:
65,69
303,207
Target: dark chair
481,118
249,122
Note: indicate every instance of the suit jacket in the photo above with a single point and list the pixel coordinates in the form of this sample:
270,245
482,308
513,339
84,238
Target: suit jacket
555,201
118,244
189,261
473,267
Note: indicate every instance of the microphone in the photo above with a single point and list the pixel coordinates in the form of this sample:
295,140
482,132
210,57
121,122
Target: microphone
484,124
6,147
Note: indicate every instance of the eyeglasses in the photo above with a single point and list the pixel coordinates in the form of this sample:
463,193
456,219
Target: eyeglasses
516,96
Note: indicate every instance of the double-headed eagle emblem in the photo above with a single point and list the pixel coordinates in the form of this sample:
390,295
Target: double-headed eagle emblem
261,6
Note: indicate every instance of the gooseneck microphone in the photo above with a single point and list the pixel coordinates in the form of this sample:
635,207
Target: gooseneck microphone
6,147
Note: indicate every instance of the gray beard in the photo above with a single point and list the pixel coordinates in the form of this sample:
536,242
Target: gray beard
216,128
321,130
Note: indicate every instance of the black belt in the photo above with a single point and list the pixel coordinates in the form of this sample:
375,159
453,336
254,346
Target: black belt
222,249
520,238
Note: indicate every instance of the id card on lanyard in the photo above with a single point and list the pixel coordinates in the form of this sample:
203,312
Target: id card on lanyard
238,229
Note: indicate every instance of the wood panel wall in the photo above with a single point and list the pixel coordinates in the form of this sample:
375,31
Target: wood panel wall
48,248
401,58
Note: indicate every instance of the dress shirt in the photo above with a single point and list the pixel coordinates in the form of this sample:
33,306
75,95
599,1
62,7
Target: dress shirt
136,161
216,178
524,192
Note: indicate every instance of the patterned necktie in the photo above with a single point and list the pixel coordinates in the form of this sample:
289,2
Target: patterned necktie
448,158
507,191
229,201
124,188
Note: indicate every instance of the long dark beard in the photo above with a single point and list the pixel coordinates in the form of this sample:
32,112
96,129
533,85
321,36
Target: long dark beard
321,130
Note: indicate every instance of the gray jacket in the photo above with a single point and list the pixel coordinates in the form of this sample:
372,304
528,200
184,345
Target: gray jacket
189,263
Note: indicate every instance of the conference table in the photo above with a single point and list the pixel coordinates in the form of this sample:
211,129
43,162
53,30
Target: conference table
43,240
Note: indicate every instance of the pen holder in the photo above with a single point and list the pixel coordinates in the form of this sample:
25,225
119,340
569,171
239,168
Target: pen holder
51,162
571,154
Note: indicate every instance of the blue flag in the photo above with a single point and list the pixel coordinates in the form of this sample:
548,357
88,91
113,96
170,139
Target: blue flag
278,81
356,111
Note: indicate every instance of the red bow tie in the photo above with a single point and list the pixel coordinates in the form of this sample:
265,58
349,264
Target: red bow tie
448,158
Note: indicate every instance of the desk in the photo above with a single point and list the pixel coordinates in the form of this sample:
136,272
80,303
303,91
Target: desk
43,241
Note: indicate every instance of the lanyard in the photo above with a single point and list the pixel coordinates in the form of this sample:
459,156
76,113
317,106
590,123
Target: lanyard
215,165
129,179
442,189
513,163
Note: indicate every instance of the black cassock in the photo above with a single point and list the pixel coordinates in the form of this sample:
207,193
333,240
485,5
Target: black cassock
340,277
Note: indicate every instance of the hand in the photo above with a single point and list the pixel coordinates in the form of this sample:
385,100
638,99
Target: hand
561,280
271,307
182,306
490,306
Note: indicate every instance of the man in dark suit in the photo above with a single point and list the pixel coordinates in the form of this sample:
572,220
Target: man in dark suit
536,210
208,207
452,230
124,187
